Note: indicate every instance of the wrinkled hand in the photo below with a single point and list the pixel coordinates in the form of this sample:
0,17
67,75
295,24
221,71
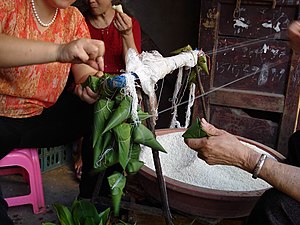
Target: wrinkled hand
123,23
294,35
88,51
220,147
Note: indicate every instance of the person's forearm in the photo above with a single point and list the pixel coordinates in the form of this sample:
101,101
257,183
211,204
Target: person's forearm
20,52
128,42
283,177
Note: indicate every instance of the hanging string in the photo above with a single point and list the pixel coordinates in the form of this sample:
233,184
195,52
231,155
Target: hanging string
174,122
227,84
160,92
190,105
245,43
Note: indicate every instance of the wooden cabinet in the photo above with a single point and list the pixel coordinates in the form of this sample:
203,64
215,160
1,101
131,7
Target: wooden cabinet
253,89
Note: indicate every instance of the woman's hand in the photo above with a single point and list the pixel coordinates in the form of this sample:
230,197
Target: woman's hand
86,94
88,51
123,23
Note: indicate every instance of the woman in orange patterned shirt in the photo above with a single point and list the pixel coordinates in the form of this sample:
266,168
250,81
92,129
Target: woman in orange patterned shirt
40,42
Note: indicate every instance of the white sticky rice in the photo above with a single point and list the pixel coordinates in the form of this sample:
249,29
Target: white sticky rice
181,163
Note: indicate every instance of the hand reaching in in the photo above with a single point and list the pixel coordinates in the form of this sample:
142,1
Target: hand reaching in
88,51
220,147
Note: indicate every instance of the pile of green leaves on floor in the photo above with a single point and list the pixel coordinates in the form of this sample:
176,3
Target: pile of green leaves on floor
82,212
116,135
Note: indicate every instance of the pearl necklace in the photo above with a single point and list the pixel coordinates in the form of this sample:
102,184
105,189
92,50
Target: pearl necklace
38,17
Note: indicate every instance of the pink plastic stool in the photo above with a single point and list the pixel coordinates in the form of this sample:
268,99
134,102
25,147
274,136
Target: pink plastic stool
25,162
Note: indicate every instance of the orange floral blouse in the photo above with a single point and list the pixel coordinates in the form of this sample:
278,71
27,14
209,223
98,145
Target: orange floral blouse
26,90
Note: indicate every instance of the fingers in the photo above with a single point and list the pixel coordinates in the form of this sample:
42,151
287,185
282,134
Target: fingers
100,62
123,22
88,51
99,74
86,94
210,129
196,143
95,51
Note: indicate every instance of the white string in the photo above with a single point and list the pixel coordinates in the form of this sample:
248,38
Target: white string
190,105
98,162
178,84
130,88
117,181
225,85
244,43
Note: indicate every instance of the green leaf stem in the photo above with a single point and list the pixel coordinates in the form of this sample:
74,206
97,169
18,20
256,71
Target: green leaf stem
117,183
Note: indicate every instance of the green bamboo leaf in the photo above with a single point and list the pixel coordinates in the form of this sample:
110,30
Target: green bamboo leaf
122,133
119,98
89,221
83,209
104,216
93,82
195,130
120,114
108,158
143,115
183,49
142,135
47,223
202,62
63,213
101,149
117,183
102,110
101,153
192,77
135,150
134,166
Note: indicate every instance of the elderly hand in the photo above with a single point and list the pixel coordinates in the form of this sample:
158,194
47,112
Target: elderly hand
294,35
123,23
88,51
220,147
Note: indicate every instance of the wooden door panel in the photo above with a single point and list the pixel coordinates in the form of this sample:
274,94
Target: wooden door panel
253,88
237,122
255,20
265,65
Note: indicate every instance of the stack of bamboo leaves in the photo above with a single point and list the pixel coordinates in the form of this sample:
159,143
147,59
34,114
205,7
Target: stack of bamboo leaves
116,135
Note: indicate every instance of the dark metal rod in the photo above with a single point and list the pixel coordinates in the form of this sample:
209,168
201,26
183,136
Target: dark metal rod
97,186
160,178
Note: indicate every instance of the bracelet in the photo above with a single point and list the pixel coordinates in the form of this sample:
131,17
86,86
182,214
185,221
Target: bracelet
259,165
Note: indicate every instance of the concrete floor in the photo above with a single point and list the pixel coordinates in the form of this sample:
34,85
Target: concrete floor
60,186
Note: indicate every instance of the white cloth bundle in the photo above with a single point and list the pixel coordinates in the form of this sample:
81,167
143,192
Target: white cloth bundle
152,66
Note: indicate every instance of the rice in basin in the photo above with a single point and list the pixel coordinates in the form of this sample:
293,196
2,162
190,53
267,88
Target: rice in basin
182,164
